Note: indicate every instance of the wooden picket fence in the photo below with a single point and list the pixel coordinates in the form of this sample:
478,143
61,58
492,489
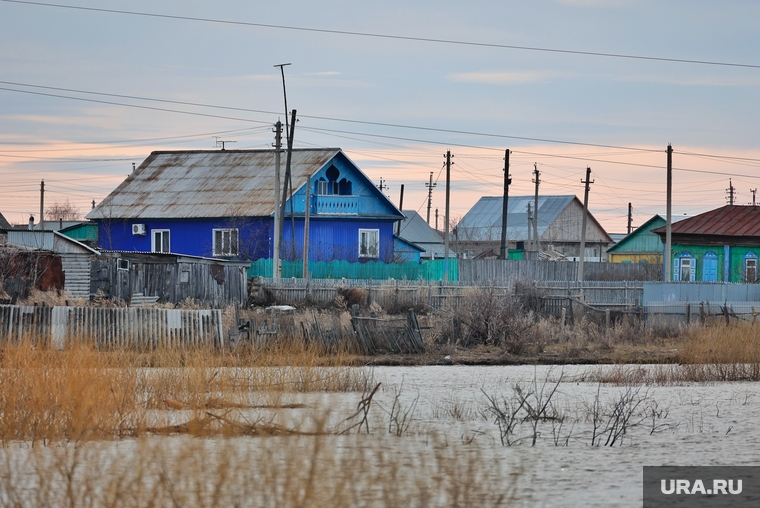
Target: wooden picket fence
111,327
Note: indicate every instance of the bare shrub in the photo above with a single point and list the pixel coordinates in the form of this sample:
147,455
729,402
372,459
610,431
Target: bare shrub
484,317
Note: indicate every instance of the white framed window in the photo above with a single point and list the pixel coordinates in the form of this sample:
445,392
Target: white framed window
685,270
225,242
750,268
322,188
160,241
369,243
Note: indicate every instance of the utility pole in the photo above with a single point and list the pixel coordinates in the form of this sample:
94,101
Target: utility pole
436,219
504,251
668,216
630,217
307,210
382,185
731,192
42,205
530,224
401,207
588,183
288,185
430,195
537,181
753,191
277,211
446,219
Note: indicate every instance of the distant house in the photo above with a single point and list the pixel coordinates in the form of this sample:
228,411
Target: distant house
75,256
559,227
85,232
642,245
415,229
220,204
719,245
4,224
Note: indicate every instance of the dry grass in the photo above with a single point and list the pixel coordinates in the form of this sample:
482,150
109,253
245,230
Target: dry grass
721,344
705,354
81,394
296,471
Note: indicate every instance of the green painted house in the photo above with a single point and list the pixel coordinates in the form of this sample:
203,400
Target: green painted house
642,245
719,245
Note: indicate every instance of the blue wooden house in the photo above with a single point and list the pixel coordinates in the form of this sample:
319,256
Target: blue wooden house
220,203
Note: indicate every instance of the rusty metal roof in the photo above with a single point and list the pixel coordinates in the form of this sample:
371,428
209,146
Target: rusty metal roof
207,183
730,220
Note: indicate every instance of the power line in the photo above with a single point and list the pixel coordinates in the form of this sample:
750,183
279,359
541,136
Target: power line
152,108
393,37
362,122
314,117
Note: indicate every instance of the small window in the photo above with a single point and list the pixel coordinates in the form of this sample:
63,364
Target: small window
369,243
122,264
322,188
750,270
160,241
684,267
225,242
685,270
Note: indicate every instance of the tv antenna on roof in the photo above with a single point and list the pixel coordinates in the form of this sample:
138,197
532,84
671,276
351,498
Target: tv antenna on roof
221,142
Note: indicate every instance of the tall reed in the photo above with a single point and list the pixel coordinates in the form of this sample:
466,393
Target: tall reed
80,393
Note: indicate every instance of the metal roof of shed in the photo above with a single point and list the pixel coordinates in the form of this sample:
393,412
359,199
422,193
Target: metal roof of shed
206,184
484,218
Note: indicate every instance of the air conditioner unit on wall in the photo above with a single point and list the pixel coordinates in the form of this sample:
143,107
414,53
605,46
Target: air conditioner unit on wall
138,229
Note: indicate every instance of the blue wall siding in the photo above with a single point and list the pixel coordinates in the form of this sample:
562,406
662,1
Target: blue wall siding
333,239
190,237
330,239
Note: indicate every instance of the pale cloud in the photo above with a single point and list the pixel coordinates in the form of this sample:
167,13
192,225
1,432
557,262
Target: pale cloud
595,3
714,81
508,77
323,73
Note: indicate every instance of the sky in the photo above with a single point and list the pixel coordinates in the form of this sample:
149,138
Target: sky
85,94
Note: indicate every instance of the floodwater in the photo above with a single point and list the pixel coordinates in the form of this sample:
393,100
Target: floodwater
698,425
442,426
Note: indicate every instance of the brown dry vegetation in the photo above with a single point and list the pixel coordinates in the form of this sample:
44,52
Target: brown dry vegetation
81,394
295,471
82,427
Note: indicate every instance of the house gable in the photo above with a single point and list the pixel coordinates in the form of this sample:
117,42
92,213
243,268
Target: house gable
340,188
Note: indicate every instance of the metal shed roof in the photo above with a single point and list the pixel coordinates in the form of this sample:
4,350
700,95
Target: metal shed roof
207,183
416,230
483,221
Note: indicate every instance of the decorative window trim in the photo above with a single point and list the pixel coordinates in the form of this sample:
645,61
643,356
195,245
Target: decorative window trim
677,264
750,258
165,246
369,243
221,247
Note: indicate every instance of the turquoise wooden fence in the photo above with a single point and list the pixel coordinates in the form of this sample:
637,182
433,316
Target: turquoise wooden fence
376,270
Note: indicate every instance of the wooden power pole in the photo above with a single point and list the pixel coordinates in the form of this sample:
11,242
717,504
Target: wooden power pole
588,183
668,216
446,219
277,216
504,251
